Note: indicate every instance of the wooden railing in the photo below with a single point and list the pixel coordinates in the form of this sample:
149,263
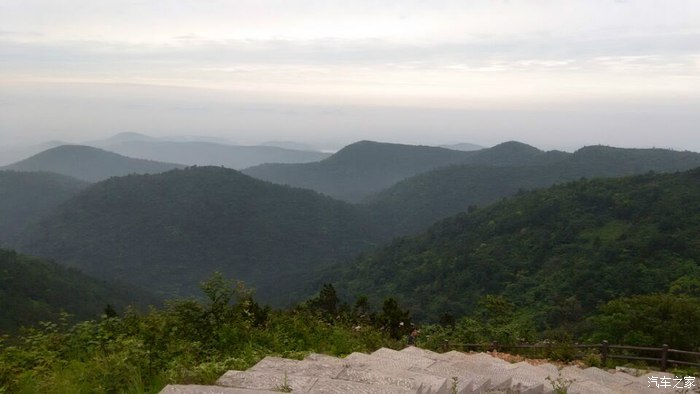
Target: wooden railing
667,356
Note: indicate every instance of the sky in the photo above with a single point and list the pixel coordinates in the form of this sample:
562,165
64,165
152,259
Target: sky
557,74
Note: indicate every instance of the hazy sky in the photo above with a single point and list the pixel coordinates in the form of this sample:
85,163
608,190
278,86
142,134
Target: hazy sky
552,73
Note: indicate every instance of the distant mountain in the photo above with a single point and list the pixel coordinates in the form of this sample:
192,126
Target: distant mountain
465,146
27,196
558,252
290,145
212,154
120,138
359,169
34,290
17,153
415,203
169,231
88,163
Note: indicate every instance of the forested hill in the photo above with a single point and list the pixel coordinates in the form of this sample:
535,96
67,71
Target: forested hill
88,163
414,204
34,290
359,169
169,231
27,196
558,252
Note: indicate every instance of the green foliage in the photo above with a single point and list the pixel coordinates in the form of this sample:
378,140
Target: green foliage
410,206
394,320
169,231
34,290
560,385
555,254
186,342
27,196
327,302
650,320
359,169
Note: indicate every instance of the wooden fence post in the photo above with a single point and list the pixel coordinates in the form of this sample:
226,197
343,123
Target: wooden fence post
664,357
604,352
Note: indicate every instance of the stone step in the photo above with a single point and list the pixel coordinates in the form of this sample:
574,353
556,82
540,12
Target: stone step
319,369
330,360
466,382
591,380
416,351
266,381
498,373
385,375
197,389
529,379
336,386
366,361
416,361
414,370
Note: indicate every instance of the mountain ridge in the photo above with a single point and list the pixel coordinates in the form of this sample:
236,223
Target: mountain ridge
87,163
161,230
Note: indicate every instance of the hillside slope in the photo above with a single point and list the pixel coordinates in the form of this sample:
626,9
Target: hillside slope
417,202
34,290
88,163
27,196
561,250
169,231
359,169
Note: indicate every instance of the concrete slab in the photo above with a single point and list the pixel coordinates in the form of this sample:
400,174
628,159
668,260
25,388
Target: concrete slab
471,383
588,387
550,369
529,378
319,369
605,378
366,361
336,386
498,373
325,359
265,381
416,351
197,389
412,380
417,361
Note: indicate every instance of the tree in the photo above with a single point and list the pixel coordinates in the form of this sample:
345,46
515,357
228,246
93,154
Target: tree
395,320
326,303
650,320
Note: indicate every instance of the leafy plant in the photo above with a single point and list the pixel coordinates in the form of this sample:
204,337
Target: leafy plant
560,385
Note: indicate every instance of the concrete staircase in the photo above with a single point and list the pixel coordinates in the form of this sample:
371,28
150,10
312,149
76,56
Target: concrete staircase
415,370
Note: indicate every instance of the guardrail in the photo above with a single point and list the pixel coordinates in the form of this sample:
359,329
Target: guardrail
604,348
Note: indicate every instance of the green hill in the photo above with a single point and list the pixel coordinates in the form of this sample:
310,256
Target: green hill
414,204
34,290
167,232
556,252
88,163
27,196
359,169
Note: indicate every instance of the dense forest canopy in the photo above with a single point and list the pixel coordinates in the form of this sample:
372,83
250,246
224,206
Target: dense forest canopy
559,252
34,290
169,231
28,196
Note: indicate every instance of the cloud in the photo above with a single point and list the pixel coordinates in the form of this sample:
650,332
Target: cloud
448,55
